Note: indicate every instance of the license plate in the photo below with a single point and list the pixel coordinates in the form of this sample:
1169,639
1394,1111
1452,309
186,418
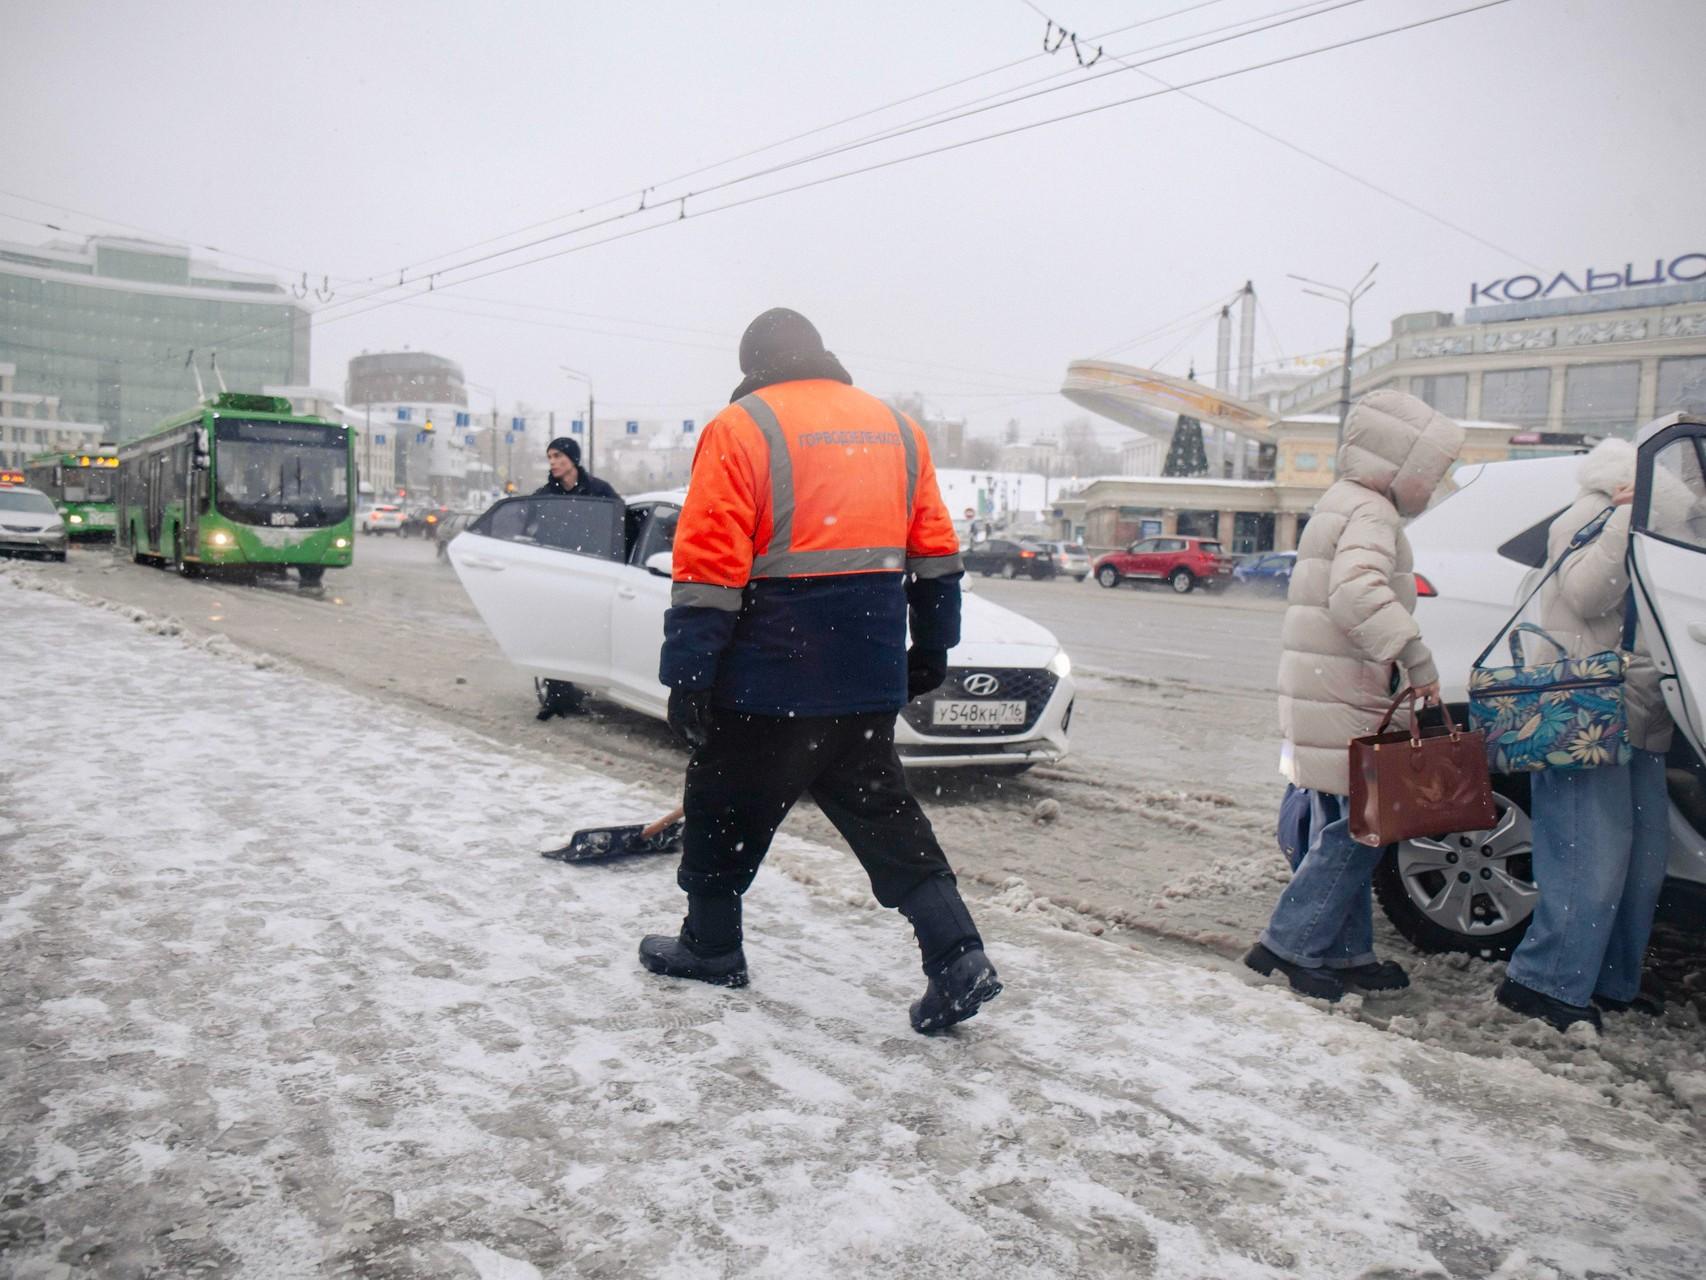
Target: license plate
976,714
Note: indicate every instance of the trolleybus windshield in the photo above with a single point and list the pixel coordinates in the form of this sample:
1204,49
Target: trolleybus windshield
86,484
281,473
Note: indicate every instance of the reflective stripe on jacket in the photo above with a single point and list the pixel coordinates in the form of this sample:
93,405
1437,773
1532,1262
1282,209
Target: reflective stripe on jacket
804,479
812,522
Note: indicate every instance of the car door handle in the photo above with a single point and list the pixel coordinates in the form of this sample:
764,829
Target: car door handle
481,562
625,593
1697,632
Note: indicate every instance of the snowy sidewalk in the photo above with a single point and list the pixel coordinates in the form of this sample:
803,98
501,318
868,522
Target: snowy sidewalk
288,993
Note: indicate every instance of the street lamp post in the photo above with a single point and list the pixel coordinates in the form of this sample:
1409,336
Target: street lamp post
590,405
1337,293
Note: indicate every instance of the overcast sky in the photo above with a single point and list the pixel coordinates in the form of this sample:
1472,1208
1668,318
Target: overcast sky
354,139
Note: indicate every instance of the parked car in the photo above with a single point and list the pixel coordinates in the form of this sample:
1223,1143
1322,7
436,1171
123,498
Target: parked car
1009,558
1183,563
1266,571
30,524
383,517
1070,558
575,589
1478,553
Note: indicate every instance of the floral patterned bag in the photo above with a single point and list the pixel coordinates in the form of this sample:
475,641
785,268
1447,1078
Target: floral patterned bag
1566,714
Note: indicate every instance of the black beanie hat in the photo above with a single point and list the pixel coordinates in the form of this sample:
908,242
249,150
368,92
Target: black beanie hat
563,444
778,339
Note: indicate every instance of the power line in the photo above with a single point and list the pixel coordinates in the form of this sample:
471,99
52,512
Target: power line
641,192
683,215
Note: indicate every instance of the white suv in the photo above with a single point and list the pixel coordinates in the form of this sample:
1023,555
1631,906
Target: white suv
1478,553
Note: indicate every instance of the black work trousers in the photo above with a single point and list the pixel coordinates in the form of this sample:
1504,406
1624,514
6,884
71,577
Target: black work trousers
743,781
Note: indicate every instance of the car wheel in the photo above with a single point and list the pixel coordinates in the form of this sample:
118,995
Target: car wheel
1470,891
1008,571
1108,576
60,556
1181,581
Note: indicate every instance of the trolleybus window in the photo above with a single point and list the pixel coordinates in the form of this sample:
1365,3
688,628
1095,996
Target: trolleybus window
88,484
281,473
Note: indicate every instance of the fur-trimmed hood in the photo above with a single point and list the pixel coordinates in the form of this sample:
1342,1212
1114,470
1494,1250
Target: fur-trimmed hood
1610,464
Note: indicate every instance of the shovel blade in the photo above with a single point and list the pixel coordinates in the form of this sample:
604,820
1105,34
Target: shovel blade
600,844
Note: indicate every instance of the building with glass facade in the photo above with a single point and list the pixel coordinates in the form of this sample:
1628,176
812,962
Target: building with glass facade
107,327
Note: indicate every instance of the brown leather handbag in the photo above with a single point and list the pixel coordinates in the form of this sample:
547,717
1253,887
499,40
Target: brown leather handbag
1421,782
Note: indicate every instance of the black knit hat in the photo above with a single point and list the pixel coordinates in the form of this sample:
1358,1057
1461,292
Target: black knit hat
777,339
563,444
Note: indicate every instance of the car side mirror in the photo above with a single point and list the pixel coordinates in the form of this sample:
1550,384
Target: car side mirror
661,563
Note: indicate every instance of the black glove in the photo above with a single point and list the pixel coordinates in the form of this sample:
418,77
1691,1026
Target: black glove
690,715
925,670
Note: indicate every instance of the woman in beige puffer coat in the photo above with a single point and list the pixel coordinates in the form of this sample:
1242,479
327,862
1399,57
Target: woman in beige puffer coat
1600,834
1349,643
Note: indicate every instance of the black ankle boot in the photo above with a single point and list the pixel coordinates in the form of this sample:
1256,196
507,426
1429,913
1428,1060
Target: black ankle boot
708,948
961,977
1537,1004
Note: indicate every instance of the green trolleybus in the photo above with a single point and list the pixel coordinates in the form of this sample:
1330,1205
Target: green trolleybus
81,485
241,483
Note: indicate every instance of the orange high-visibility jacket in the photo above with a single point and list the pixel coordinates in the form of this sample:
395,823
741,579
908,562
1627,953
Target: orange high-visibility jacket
805,479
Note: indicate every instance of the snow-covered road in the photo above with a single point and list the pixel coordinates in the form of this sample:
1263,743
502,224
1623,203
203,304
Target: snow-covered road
287,993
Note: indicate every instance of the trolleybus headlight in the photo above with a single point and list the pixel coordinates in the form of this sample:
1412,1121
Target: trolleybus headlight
74,519
340,543
219,538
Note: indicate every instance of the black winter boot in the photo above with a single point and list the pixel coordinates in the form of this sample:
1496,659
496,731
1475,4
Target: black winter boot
1322,984
961,977
708,948
1537,1004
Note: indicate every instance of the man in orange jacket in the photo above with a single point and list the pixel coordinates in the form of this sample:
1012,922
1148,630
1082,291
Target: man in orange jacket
812,533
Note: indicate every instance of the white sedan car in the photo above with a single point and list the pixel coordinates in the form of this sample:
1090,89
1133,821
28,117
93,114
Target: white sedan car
1478,554
575,589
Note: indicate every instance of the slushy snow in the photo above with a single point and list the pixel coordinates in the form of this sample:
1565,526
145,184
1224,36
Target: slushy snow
288,992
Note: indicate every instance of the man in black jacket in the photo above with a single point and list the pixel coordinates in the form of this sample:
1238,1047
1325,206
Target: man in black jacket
568,476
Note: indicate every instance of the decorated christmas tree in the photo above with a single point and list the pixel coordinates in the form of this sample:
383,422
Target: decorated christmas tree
1186,455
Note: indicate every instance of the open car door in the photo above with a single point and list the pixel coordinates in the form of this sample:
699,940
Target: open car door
1669,552
542,570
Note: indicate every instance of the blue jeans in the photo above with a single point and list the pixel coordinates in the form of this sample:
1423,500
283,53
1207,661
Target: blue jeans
1601,840
1325,917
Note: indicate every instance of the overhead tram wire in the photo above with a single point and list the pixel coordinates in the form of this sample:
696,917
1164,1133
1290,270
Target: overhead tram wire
1285,17
681,200
808,133
949,114
1097,108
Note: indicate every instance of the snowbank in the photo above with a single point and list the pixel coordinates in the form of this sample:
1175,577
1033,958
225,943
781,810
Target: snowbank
286,990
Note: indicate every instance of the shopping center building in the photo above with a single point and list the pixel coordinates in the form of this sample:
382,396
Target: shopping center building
105,328
1537,364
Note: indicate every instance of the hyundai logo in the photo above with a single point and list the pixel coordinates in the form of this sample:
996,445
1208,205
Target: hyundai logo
980,684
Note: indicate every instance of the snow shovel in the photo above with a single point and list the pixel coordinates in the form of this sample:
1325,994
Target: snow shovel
601,844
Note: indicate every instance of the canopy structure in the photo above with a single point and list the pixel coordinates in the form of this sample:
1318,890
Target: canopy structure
1152,402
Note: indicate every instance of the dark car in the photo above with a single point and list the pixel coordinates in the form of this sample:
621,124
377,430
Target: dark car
422,521
1183,563
1267,571
1009,558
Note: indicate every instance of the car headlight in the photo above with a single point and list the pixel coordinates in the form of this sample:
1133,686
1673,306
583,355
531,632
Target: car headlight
1060,664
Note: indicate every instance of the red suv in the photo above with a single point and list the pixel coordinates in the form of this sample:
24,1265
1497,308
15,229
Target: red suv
1182,563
